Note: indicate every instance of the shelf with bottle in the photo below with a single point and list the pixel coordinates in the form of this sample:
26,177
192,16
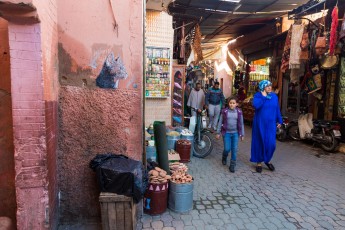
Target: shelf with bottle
255,76
157,72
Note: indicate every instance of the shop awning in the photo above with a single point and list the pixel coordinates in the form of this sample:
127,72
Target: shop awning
223,20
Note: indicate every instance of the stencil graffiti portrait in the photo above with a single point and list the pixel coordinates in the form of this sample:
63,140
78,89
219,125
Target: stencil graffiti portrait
113,70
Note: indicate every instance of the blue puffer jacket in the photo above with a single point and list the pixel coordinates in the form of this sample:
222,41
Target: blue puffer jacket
214,97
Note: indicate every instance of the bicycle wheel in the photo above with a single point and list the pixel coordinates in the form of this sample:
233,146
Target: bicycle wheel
204,147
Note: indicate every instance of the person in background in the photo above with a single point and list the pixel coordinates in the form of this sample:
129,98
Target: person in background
196,98
267,118
232,128
214,101
241,93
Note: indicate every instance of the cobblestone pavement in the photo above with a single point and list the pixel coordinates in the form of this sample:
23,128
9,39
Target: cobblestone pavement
307,191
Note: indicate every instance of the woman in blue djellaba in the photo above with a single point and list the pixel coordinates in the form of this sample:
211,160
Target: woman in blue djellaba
266,120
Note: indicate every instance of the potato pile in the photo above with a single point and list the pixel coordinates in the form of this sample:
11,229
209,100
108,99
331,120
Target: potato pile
179,173
158,176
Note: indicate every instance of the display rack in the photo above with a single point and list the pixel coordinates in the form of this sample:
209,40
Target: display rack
259,71
177,99
157,72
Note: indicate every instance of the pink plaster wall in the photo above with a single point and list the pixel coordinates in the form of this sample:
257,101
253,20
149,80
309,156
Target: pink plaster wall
28,125
47,11
94,120
7,184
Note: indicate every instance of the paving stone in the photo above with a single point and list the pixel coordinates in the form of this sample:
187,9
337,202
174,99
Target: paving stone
306,225
177,223
251,226
166,217
341,223
200,207
325,224
168,228
206,202
286,198
231,227
238,222
167,223
276,222
289,225
330,214
270,226
190,228
296,216
198,224
217,206
156,217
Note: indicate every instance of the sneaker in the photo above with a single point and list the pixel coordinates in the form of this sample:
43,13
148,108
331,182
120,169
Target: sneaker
232,169
232,166
224,160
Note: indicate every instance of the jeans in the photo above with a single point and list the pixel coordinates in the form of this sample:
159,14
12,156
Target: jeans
213,112
230,143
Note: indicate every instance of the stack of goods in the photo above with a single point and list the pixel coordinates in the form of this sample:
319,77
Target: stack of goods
179,173
172,137
173,155
173,133
158,176
186,132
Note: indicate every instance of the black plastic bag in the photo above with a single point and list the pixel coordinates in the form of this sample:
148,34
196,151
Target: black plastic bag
119,174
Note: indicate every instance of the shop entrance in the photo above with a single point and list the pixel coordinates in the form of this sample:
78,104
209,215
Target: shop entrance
7,173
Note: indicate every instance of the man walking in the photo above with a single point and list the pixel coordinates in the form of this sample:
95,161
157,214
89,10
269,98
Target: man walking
214,100
196,98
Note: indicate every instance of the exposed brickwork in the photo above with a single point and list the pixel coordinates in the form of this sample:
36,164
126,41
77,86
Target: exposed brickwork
29,129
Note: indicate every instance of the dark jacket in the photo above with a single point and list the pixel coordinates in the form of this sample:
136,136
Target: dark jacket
214,97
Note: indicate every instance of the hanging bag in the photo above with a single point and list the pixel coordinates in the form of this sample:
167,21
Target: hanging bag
320,44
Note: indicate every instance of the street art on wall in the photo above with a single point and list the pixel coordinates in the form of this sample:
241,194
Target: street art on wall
113,70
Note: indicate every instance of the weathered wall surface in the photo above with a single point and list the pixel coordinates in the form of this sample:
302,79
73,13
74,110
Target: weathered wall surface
7,184
47,11
28,125
94,120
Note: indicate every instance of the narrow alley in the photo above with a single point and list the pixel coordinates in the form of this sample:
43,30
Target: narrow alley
305,192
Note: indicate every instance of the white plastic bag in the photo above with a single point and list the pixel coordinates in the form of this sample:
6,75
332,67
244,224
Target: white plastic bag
192,123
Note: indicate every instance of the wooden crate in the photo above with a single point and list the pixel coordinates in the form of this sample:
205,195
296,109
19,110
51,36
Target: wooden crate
118,212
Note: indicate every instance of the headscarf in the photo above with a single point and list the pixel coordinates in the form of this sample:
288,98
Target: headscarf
263,84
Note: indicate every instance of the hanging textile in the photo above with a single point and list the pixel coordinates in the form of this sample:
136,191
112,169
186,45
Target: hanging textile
295,51
333,36
305,46
286,53
295,74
